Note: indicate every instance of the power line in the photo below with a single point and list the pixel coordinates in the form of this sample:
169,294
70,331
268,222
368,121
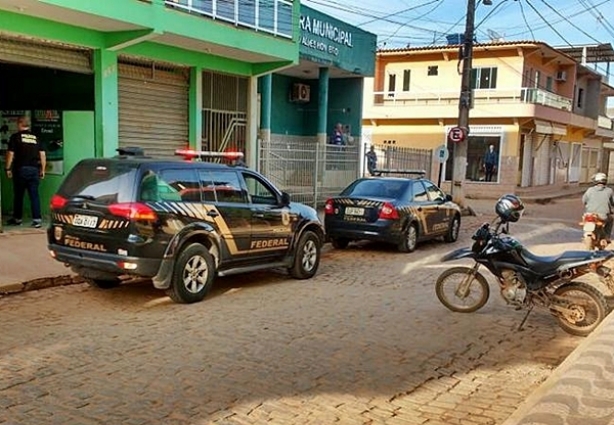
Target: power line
548,24
397,13
569,22
439,3
524,18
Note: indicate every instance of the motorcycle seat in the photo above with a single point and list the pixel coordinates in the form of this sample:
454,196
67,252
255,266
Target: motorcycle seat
548,264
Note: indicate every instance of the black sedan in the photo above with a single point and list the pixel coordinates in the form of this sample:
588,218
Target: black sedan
398,210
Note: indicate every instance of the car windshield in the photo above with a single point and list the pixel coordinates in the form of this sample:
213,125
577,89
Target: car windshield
378,188
104,182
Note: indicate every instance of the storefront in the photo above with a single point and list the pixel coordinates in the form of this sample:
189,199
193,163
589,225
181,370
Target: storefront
97,76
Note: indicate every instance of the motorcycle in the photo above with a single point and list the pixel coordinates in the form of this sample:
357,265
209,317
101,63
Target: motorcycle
526,280
594,232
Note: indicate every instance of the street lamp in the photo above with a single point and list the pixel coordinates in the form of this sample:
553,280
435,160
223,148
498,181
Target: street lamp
459,149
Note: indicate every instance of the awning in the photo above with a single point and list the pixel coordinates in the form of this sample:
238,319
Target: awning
547,127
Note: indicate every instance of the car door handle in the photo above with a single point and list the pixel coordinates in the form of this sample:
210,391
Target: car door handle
259,215
213,213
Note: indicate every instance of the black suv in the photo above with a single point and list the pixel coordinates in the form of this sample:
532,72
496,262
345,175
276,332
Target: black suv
180,223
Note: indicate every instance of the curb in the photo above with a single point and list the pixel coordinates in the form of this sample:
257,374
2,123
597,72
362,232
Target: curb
40,283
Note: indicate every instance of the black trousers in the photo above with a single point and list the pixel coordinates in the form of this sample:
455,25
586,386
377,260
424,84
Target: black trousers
489,171
26,179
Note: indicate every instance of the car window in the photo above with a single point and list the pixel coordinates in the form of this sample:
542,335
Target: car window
376,188
259,192
419,192
228,186
434,193
102,182
207,186
180,185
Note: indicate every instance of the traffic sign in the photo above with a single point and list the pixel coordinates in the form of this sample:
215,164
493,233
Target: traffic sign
457,134
442,153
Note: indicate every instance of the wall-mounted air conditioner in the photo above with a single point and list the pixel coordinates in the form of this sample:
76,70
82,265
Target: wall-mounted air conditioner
561,76
300,93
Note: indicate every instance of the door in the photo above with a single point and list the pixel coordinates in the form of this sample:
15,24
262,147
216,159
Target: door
426,210
271,222
438,220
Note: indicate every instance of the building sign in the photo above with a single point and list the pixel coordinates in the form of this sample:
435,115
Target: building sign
323,29
329,41
47,125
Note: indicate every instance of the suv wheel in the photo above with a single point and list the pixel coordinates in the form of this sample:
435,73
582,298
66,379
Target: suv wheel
103,283
306,257
192,275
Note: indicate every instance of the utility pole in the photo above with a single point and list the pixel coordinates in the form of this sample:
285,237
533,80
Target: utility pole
465,101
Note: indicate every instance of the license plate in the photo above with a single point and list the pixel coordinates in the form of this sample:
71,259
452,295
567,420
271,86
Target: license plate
354,211
589,227
85,221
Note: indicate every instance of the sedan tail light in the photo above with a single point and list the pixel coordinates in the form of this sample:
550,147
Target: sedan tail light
329,209
388,212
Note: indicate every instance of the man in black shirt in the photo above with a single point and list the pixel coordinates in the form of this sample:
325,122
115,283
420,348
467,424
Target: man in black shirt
25,164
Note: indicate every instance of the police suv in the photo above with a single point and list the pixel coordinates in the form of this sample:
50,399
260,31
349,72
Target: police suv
178,222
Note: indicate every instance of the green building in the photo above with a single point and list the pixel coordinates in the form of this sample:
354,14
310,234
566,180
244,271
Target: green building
301,105
160,74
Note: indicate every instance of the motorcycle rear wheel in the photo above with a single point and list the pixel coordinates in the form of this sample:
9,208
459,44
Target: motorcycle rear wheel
587,308
451,281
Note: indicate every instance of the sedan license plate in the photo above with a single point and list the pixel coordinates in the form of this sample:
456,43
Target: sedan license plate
354,211
85,221
589,227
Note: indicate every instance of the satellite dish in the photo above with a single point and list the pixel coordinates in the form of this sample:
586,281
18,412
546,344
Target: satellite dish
494,35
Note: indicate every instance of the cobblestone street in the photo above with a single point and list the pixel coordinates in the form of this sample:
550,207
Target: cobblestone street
364,342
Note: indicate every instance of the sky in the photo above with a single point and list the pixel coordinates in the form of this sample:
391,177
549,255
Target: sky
415,23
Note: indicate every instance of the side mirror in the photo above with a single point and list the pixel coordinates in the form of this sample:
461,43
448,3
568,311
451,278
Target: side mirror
285,199
448,197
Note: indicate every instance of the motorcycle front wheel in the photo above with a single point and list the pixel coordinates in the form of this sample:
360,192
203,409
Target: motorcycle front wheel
584,308
462,289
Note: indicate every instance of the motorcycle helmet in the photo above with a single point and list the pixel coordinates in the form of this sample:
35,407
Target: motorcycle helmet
600,178
509,208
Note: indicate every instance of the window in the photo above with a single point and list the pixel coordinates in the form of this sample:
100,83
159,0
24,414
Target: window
484,78
419,192
434,193
406,79
433,70
537,80
549,83
228,187
179,185
392,82
259,193
207,185
580,100
477,147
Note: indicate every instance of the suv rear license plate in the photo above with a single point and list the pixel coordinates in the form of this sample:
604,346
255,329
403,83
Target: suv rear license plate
354,211
85,221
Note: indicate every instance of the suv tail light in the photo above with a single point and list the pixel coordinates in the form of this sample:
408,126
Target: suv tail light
329,209
58,202
388,212
133,211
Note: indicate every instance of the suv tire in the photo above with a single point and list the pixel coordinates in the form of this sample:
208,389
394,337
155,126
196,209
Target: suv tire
193,275
306,256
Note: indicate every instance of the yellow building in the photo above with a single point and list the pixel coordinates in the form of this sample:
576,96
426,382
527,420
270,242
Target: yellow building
543,112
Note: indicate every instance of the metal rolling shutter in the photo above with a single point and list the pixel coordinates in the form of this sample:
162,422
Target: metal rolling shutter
153,107
27,51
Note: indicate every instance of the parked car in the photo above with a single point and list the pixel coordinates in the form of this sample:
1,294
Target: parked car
396,206
180,223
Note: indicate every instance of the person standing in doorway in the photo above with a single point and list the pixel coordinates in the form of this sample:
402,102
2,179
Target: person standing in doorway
490,163
337,137
25,164
371,160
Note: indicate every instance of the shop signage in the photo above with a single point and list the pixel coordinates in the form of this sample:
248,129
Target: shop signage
311,26
457,134
47,125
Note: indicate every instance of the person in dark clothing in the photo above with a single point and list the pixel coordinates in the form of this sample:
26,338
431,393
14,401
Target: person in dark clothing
490,163
371,160
25,164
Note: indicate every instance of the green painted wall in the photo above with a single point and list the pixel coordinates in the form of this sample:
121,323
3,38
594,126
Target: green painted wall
334,43
301,119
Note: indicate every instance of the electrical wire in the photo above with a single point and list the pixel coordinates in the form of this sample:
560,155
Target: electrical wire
570,22
439,3
524,18
397,13
548,24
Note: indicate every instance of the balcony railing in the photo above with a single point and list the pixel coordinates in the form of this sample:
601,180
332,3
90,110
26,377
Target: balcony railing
270,16
480,96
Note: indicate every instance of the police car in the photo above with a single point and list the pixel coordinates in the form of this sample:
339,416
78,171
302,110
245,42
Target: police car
180,223
396,206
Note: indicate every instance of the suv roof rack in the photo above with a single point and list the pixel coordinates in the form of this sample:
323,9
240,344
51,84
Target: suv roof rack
378,172
130,151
